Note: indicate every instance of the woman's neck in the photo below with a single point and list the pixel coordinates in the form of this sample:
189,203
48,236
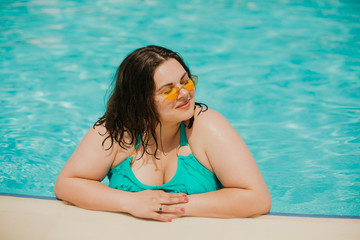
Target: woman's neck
166,135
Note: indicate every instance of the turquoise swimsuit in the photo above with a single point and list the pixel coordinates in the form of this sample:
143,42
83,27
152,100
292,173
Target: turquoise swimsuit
191,177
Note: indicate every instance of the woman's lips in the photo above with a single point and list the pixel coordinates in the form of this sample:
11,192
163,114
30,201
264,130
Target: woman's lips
184,105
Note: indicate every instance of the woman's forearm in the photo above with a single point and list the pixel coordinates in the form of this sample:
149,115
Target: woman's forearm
228,203
223,203
91,194
94,195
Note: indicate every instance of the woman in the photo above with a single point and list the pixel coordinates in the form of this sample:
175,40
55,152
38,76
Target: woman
166,156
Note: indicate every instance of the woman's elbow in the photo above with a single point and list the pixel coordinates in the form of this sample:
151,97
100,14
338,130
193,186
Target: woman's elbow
59,187
264,206
258,202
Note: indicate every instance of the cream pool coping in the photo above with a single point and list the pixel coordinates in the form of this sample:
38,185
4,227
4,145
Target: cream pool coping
29,218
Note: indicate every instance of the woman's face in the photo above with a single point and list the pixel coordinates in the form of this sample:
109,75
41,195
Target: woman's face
168,75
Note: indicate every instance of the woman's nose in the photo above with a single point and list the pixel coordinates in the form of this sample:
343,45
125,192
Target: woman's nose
182,92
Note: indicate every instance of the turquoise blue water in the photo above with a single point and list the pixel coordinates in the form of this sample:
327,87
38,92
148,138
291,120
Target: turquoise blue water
286,74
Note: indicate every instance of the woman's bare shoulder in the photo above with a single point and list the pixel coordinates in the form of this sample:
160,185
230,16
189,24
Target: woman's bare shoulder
99,133
208,128
98,142
209,120
120,153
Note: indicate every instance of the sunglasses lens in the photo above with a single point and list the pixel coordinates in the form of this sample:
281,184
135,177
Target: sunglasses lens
194,78
189,85
171,94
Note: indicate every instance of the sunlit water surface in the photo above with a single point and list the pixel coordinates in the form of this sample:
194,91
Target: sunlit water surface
286,74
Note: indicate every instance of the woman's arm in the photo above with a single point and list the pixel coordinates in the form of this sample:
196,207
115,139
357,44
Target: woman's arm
245,192
79,182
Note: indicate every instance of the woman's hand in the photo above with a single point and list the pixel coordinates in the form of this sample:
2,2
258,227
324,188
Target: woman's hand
158,205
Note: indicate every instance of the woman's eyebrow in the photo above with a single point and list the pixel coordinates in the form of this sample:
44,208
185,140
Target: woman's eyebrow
170,84
183,75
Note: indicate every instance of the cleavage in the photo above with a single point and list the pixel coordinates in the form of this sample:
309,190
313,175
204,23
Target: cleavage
154,172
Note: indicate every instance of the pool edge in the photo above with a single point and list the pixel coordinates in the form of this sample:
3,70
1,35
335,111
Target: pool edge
270,214
28,196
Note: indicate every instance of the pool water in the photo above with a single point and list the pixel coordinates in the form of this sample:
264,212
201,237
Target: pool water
286,74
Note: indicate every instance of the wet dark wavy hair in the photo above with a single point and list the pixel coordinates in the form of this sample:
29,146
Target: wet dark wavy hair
131,108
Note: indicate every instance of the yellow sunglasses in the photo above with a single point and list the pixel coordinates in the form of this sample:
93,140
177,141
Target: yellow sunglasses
189,85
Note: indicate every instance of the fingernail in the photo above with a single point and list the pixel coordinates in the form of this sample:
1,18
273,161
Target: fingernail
186,199
184,194
182,209
170,220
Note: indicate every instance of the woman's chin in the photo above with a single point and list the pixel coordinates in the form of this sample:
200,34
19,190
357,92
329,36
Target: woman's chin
190,111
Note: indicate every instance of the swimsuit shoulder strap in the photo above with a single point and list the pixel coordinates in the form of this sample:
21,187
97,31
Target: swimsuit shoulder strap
138,142
183,138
